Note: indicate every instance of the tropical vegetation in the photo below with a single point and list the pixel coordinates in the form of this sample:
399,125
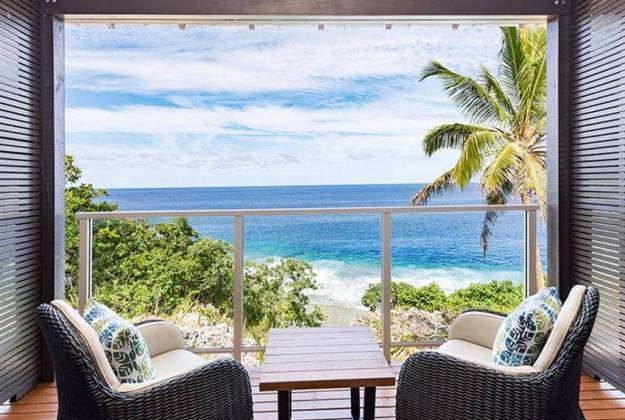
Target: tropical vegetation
158,268
503,140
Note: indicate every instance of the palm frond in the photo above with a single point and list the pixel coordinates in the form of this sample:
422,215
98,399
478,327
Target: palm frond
523,71
492,85
512,59
473,99
490,220
443,183
448,136
534,179
491,217
537,132
501,169
535,97
478,146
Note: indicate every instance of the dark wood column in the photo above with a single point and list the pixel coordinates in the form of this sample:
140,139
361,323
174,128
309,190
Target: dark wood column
52,154
558,121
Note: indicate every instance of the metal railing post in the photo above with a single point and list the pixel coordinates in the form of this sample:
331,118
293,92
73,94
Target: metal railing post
85,250
238,273
386,285
531,254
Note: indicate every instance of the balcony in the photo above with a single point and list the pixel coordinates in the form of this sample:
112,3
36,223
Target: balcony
598,399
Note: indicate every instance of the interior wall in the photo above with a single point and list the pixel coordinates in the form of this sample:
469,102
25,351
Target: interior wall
597,175
20,290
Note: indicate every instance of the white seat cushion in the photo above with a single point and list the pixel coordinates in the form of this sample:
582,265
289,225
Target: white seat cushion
167,365
476,327
564,322
480,355
161,337
465,350
175,362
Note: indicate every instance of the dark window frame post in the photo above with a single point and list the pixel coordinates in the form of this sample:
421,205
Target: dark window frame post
52,155
558,126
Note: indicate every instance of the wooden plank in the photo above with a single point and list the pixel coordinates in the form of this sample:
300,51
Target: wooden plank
605,414
326,379
318,331
286,358
602,404
320,349
276,338
596,386
600,395
331,365
325,342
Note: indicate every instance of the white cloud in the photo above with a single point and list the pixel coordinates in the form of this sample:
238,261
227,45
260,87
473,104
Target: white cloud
269,59
350,107
372,119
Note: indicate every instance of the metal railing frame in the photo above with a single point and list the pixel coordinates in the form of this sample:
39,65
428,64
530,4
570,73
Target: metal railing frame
85,253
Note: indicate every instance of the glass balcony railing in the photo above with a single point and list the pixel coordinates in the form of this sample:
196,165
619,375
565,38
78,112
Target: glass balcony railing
232,332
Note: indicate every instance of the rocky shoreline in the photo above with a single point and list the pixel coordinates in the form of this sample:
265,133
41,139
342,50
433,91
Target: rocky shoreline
409,325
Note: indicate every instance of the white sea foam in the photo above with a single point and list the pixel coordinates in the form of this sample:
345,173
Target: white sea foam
343,283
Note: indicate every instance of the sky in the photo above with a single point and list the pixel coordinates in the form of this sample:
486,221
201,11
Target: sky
156,106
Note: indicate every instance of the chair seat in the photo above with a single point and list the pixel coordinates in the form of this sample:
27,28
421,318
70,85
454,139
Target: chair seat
176,362
466,350
474,353
167,365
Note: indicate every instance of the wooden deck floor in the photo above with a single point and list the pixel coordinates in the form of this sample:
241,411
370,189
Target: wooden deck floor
599,400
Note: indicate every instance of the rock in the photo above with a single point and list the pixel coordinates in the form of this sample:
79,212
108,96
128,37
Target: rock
411,324
201,332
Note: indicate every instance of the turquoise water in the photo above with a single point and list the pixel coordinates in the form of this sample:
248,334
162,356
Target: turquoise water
345,249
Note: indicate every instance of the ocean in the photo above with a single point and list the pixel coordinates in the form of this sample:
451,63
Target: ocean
345,249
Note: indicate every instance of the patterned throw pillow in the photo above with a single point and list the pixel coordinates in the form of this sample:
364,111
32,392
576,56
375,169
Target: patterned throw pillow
123,345
524,332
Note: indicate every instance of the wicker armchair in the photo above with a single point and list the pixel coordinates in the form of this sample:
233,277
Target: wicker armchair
217,391
434,385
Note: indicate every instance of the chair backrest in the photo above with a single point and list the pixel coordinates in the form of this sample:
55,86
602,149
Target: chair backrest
90,342
571,351
566,318
79,385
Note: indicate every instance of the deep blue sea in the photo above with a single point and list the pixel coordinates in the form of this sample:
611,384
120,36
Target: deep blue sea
345,250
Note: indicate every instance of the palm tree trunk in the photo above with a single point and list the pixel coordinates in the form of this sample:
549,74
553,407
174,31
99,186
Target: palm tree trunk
540,276
538,279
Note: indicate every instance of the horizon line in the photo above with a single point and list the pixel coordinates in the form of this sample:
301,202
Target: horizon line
266,186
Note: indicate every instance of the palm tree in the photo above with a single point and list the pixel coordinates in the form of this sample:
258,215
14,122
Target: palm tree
503,142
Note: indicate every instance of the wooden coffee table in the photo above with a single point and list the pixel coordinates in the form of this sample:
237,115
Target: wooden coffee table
323,358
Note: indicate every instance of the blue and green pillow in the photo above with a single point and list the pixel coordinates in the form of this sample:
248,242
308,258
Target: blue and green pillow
524,332
125,348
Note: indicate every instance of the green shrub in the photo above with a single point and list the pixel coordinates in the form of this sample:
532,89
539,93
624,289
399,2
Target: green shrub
404,295
499,296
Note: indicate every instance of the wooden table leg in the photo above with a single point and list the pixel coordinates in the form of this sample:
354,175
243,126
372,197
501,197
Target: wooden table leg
369,403
355,396
284,405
